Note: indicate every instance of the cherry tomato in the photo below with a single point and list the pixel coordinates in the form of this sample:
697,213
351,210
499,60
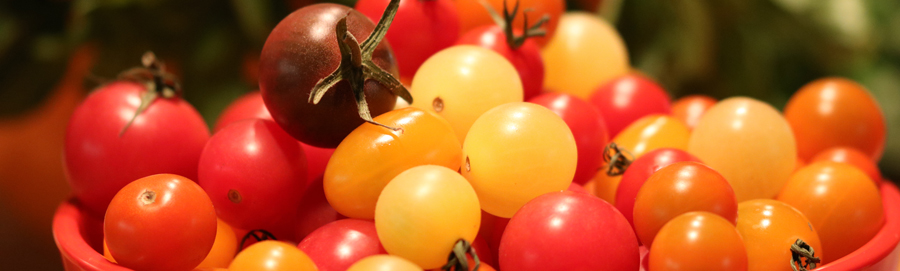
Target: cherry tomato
160,222
698,241
223,249
585,53
339,244
371,156
472,14
749,143
689,109
644,135
419,30
101,156
677,189
442,204
526,58
853,157
251,106
832,112
384,263
638,173
568,231
314,211
253,171
625,99
462,82
287,76
481,267
769,228
840,201
505,174
270,255
587,127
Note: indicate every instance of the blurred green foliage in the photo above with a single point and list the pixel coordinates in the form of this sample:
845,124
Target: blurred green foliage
765,49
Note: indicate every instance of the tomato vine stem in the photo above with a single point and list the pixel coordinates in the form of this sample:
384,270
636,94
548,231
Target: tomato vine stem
457,259
800,250
617,159
505,22
157,81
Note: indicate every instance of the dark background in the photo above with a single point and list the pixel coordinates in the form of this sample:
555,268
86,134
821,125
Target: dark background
52,52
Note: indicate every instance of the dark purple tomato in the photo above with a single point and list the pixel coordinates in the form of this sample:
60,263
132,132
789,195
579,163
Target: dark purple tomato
626,99
525,58
254,173
639,171
337,245
301,51
587,126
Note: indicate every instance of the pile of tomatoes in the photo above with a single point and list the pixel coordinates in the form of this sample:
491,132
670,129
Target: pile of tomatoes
451,141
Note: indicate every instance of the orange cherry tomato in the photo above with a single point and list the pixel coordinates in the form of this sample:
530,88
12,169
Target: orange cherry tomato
833,112
677,189
160,222
370,156
840,201
472,14
223,248
853,157
384,263
769,228
690,108
698,241
272,255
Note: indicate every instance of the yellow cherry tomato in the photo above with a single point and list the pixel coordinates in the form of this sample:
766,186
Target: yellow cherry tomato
768,228
423,212
642,136
224,247
272,255
370,156
384,263
516,152
585,52
749,143
462,82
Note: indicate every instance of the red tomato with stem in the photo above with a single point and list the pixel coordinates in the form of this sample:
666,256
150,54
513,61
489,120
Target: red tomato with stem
160,222
568,231
526,57
420,29
588,128
337,245
628,98
853,157
638,173
254,173
690,108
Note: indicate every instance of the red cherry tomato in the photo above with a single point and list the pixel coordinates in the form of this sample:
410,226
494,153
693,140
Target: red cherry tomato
526,58
689,109
638,173
568,231
491,230
587,127
160,222
833,112
626,99
101,158
853,157
420,29
248,106
698,241
314,211
254,173
339,244
677,189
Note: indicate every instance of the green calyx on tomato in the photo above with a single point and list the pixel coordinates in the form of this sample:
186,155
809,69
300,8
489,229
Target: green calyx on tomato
159,83
357,65
506,21
799,251
457,259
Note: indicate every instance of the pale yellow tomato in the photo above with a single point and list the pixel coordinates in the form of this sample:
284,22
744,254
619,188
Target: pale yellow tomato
462,82
585,52
384,263
516,152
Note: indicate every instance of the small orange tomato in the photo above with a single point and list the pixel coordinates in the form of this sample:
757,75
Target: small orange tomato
272,255
769,228
853,157
223,249
698,241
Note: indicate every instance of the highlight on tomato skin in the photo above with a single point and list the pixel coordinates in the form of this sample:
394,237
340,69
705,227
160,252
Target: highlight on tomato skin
767,223
271,255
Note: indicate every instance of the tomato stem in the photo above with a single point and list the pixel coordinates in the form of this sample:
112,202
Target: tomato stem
259,235
158,83
617,159
457,259
799,251
357,66
505,22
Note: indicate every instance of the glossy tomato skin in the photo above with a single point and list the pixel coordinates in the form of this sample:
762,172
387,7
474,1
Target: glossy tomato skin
853,157
690,108
768,228
337,245
628,98
288,74
585,53
160,222
254,173
698,241
384,262
270,255
526,59
568,231
166,138
638,173
832,112
587,127
419,29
